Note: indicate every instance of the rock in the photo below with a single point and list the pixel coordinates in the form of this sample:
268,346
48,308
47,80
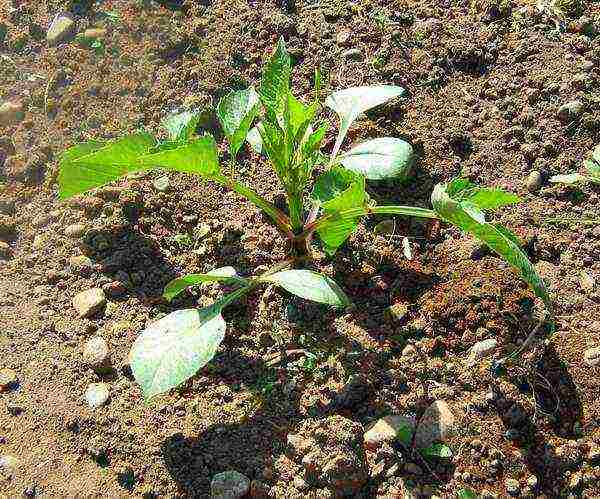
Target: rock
570,111
396,313
437,424
75,231
343,37
60,28
591,357
8,379
534,181
5,250
7,227
9,464
576,481
532,482
161,184
593,456
81,263
587,282
356,389
89,302
229,485
480,350
300,483
354,54
388,429
39,241
94,33
114,289
11,113
96,354
96,395
512,486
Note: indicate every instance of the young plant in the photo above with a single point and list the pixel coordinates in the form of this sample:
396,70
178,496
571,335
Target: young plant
290,132
592,167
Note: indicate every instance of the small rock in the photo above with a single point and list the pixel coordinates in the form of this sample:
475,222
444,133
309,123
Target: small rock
481,349
60,28
161,184
512,486
356,389
11,113
96,395
9,464
81,263
76,230
388,429
96,354
5,250
343,37
8,379
354,54
89,302
591,357
534,181
570,111
409,351
532,482
229,485
587,282
396,313
94,33
437,424
300,483
39,241
593,456
576,481
114,289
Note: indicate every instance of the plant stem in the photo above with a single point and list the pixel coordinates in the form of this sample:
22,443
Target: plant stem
281,219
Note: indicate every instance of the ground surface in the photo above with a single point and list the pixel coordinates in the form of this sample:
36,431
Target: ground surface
484,86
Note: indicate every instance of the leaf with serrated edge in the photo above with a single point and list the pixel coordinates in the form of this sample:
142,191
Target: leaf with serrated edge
351,102
173,349
236,112
379,159
310,286
222,274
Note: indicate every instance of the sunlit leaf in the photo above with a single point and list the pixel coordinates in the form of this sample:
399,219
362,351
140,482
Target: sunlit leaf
382,158
275,83
236,112
439,450
181,126
254,139
222,274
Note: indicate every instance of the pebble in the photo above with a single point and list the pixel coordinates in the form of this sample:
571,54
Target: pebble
437,424
587,282
96,395
94,33
11,113
300,483
356,389
8,463
532,482
60,28
593,456
81,263
96,354
161,184
576,481
343,37
8,379
591,357
5,250
570,111
512,486
89,302
76,230
481,349
388,429
354,54
114,289
534,181
229,485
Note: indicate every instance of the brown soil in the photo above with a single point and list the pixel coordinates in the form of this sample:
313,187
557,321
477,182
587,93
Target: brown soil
484,84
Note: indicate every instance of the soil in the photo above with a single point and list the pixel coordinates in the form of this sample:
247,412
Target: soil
485,80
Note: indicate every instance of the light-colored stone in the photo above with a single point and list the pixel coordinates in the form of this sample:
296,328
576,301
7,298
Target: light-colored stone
436,425
229,485
40,240
512,486
480,350
8,378
96,395
353,54
60,28
94,33
591,357
81,262
587,281
89,302
9,464
534,181
389,428
96,354
570,111
396,313
11,113
76,230
343,37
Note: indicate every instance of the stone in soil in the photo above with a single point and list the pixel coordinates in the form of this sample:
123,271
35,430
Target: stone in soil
591,357
570,111
8,379
9,464
81,263
534,181
397,312
229,485
353,392
60,28
96,395
89,302
354,54
437,424
94,33
96,354
76,230
481,349
512,486
5,250
388,429
11,113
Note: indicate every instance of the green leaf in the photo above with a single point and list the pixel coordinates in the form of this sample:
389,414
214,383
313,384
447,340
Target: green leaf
466,494
254,139
404,434
310,286
181,126
222,274
501,241
351,102
438,450
381,158
94,164
337,190
173,349
236,112
481,198
275,82
199,157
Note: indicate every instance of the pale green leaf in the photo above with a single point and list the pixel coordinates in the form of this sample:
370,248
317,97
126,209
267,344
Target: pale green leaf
94,164
569,179
466,494
254,139
236,112
275,83
310,286
181,126
173,349
222,274
351,102
491,198
438,450
382,158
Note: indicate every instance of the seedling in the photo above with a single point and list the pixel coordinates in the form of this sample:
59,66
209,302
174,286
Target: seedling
290,132
592,176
